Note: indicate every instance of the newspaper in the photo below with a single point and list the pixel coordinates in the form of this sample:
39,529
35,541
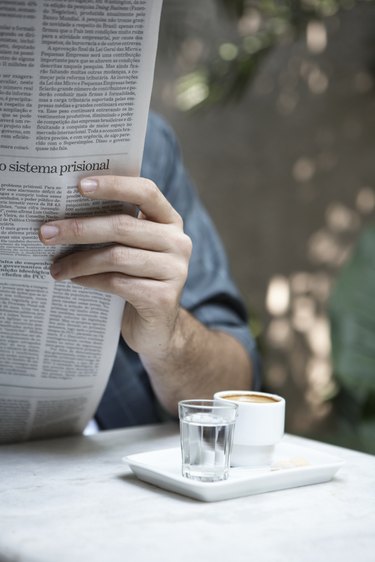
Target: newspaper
76,80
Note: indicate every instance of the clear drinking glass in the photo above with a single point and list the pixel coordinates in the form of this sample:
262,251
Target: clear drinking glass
206,432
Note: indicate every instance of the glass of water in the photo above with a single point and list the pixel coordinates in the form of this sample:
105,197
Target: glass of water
206,431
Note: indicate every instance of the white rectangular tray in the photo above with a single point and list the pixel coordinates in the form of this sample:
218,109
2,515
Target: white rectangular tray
293,466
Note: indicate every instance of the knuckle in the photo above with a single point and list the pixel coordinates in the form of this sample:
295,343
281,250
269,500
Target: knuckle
120,225
181,269
188,245
150,188
76,227
179,221
184,244
116,255
185,269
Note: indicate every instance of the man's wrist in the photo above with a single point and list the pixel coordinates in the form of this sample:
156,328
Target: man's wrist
180,337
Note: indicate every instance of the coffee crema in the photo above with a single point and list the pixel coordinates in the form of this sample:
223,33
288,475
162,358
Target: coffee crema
254,398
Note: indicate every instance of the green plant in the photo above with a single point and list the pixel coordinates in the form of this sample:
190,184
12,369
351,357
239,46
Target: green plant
229,60
352,316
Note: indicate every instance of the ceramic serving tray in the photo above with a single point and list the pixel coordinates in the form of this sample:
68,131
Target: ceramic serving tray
292,466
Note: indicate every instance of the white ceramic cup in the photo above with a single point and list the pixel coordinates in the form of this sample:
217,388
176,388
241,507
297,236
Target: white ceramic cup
259,426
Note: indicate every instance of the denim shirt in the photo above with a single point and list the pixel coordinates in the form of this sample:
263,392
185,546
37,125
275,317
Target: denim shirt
209,293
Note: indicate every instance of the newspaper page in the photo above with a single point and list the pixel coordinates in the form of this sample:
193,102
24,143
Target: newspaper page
76,80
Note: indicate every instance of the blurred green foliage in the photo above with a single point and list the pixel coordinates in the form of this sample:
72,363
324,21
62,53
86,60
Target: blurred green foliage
352,316
229,62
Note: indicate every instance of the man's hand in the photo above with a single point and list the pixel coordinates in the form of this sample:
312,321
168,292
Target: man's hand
145,259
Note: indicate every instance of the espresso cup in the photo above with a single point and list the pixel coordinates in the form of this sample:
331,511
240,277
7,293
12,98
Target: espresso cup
259,426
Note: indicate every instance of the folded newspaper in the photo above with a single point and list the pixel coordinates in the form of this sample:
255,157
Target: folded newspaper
76,80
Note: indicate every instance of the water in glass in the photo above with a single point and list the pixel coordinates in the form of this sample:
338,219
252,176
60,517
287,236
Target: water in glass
206,441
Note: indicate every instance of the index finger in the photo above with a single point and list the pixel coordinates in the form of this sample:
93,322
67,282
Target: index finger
141,192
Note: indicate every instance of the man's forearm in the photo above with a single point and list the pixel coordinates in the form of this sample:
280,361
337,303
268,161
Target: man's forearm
197,363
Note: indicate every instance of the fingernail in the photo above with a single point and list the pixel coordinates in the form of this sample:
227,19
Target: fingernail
55,269
49,231
88,185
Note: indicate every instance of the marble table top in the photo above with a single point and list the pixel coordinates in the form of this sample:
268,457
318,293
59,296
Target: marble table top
74,500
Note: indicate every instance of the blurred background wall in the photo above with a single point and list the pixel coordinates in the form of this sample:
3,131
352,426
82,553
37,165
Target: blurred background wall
285,165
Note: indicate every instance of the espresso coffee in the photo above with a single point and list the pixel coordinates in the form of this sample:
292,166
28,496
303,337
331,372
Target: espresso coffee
257,398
